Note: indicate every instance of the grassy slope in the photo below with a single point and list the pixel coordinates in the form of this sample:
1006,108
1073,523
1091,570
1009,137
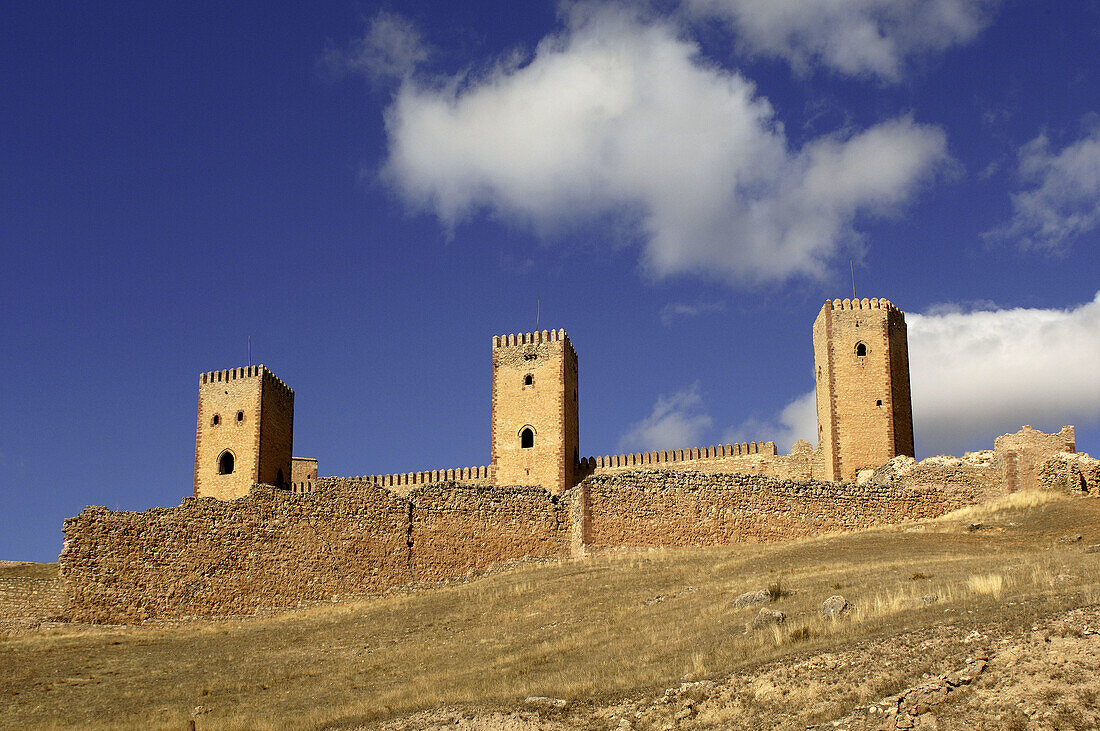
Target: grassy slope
593,631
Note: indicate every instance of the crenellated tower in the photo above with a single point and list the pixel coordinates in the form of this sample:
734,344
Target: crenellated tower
861,370
245,432
535,429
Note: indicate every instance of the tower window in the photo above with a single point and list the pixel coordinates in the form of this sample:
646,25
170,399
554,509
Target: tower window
528,380
240,416
216,420
878,403
527,438
225,463
861,350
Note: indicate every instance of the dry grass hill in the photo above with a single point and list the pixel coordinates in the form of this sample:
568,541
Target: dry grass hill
986,618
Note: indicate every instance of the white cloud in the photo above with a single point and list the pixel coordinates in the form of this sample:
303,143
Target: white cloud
855,37
681,310
978,374
677,421
1063,199
618,118
797,420
392,48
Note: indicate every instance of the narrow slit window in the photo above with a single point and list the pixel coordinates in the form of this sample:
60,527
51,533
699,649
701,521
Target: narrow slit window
225,463
216,420
240,416
527,438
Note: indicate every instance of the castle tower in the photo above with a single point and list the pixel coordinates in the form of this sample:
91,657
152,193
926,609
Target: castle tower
861,366
245,432
534,432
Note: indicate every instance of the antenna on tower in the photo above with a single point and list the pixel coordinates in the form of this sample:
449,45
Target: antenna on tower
538,306
852,269
249,351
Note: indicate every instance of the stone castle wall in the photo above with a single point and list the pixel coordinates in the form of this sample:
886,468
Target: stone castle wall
276,548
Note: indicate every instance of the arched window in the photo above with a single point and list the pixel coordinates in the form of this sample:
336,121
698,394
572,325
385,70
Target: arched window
225,463
216,420
861,350
529,380
527,438
240,416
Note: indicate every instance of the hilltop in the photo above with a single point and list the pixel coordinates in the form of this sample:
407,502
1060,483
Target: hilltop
1005,595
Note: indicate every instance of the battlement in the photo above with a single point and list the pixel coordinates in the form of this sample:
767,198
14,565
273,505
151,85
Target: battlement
873,303
679,455
472,475
232,374
534,338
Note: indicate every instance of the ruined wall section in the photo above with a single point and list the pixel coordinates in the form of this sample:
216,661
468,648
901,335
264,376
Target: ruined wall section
751,458
1020,456
667,508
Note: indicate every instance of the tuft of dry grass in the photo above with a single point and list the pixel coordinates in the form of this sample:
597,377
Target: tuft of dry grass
991,584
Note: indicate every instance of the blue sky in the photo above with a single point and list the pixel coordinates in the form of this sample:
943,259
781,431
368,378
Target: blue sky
370,192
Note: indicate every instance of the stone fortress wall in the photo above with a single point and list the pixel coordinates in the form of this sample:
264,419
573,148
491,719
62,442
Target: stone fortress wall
276,548
309,538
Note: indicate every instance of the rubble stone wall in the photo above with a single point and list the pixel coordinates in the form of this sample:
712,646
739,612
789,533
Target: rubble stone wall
666,508
275,548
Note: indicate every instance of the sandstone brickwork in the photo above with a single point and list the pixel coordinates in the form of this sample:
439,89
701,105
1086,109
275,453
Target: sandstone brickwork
861,368
32,597
247,414
303,474
535,425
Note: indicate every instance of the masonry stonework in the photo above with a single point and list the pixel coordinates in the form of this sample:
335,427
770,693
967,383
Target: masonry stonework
264,531
535,427
244,433
861,371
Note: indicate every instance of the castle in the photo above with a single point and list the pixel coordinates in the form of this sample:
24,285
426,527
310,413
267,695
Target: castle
245,427
275,535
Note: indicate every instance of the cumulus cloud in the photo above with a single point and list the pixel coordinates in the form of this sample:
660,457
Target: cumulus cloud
978,374
620,118
1062,198
677,421
390,50
681,310
797,420
856,37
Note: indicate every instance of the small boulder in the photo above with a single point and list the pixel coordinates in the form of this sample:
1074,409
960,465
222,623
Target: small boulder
767,617
1093,549
750,598
975,527
923,601
546,702
835,606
